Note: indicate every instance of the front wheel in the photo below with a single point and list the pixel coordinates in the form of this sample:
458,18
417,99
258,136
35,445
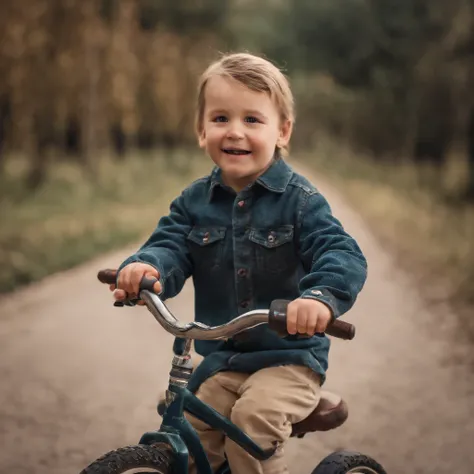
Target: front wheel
139,459
347,462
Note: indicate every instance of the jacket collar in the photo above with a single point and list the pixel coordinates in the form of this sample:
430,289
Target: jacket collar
274,179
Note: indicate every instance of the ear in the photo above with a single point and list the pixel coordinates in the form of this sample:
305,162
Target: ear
202,139
285,133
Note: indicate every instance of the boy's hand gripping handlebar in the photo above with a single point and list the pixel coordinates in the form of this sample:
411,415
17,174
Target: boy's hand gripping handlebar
275,316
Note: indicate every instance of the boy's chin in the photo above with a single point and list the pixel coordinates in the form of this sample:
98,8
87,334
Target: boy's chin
237,170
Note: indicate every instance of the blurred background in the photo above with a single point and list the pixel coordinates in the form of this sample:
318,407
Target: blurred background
96,137
97,102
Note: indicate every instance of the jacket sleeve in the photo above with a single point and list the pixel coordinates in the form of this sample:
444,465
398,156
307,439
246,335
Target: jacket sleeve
335,266
166,249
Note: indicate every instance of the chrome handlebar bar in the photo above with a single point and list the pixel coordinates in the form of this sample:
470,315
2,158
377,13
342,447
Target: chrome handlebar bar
196,330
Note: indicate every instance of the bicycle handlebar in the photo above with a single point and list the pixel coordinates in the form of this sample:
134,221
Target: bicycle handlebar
275,317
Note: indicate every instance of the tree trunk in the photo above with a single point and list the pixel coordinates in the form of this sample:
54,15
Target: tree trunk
434,131
43,139
91,110
72,137
4,117
470,153
119,140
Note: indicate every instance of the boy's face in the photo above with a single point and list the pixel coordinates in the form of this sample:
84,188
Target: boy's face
241,129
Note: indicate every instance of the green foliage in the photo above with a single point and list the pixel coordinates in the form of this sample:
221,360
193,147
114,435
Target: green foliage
72,218
405,65
184,16
333,35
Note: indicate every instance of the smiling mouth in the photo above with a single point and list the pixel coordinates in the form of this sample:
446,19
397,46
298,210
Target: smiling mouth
233,151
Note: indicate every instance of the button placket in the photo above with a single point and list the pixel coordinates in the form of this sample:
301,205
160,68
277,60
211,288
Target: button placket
241,221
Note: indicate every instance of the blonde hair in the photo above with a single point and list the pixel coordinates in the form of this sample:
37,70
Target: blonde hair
257,74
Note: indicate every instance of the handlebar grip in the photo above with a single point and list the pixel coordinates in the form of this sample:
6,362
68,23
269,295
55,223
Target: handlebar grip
145,284
277,317
277,322
148,284
108,276
341,329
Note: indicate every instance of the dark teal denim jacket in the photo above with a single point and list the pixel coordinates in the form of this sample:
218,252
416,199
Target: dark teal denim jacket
275,239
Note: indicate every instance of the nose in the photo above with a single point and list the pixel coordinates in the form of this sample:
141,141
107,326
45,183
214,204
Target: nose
234,131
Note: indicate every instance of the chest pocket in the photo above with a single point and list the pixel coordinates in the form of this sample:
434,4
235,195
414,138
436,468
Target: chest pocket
274,249
206,245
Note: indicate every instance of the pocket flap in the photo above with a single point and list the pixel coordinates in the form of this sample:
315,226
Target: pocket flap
272,237
206,235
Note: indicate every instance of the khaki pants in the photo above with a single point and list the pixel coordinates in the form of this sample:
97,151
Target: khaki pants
264,405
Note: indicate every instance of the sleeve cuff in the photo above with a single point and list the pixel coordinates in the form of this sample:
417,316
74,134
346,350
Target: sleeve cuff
324,296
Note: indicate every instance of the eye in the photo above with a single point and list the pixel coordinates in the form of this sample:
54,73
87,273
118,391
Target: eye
220,119
252,119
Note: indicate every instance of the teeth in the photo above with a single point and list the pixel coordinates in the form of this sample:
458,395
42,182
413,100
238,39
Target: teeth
237,152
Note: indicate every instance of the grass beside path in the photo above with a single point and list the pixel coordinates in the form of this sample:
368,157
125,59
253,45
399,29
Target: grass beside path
431,234
73,218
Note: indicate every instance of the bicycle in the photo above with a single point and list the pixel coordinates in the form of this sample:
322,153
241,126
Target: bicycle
167,449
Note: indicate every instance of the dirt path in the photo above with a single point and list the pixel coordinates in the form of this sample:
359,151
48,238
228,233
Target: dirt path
79,377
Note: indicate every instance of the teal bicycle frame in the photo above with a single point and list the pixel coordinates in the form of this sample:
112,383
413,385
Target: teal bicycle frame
177,432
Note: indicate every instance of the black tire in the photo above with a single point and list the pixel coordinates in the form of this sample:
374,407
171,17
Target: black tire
158,456
344,462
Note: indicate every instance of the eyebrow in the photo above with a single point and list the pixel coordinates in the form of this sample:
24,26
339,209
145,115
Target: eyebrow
247,112
255,112
217,111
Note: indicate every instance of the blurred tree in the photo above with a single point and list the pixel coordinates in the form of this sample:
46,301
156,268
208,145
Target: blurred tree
43,21
392,78
123,69
80,75
397,56
4,119
186,17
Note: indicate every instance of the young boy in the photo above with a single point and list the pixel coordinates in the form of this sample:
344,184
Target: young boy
251,232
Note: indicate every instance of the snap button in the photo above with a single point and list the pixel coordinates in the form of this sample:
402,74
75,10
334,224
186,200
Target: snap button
205,239
271,238
316,292
242,272
244,304
241,203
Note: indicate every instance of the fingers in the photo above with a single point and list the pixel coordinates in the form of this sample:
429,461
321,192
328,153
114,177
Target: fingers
306,321
135,279
307,316
324,318
302,320
291,317
123,281
312,323
130,277
120,295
